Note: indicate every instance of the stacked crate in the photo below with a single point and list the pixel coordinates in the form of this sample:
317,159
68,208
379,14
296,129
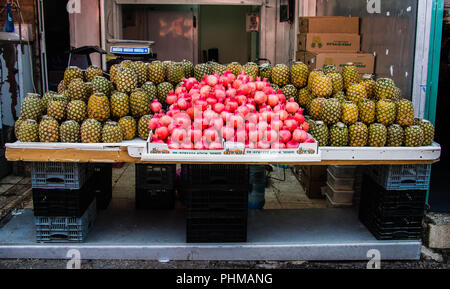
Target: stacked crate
63,200
393,200
340,185
155,186
102,174
217,201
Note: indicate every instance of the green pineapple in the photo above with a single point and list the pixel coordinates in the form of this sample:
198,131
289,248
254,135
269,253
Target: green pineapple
151,90
395,136
289,91
312,76
76,110
339,135
358,134
234,67
31,107
91,72
340,96
46,99
139,103
48,129
385,89
328,69
112,132
414,136
119,103
299,74
369,84
77,89
140,69
101,85
322,86
98,107
336,81
69,132
320,133
57,107
331,111
265,71
112,73
350,75
91,131
428,132
128,126
251,69
188,68
386,112
28,131
163,90
155,72
61,87
356,92
143,129
71,73
315,108
281,75
377,135
17,125
126,80
218,68
175,72
304,97
201,70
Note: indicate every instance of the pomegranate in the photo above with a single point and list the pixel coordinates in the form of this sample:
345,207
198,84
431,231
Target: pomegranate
292,106
299,136
292,145
285,135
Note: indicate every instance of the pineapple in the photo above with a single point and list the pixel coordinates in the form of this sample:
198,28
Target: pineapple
89,90
150,88
385,89
234,67
155,72
327,69
405,112
139,103
281,75
349,112
126,80
289,91
312,76
175,72
91,131
188,68
369,84
61,87
201,70
428,132
143,129
218,68
112,72
340,96
251,69
71,73
275,87
395,136
163,90
77,89
57,107
304,97
386,112
101,85
337,82
358,134
377,135
315,108
76,110
91,72
331,111
48,129
367,111
98,107
112,132
128,125
28,131
166,65
265,71
299,74
356,92
140,69
414,136
31,107
69,132
339,135
17,125
120,105
46,99
320,133
350,75
126,63
322,86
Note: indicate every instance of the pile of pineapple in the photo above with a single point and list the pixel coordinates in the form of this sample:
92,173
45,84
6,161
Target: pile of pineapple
90,108
346,111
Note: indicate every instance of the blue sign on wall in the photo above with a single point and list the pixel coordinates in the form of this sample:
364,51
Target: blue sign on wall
129,50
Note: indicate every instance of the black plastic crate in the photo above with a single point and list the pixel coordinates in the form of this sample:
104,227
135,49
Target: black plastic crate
155,198
102,173
63,202
151,176
228,175
220,198
217,214
216,230
396,234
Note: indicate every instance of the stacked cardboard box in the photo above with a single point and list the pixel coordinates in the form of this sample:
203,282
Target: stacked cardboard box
332,40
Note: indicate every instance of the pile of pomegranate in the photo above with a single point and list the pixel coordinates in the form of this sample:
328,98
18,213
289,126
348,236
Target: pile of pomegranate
202,115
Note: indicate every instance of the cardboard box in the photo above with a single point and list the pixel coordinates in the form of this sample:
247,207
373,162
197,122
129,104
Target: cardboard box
315,173
364,61
327,42
329,24
313,189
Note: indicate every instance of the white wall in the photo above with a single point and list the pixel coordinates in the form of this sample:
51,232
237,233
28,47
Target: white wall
85,27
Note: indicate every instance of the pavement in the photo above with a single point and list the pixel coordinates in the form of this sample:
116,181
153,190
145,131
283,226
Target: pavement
15,192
